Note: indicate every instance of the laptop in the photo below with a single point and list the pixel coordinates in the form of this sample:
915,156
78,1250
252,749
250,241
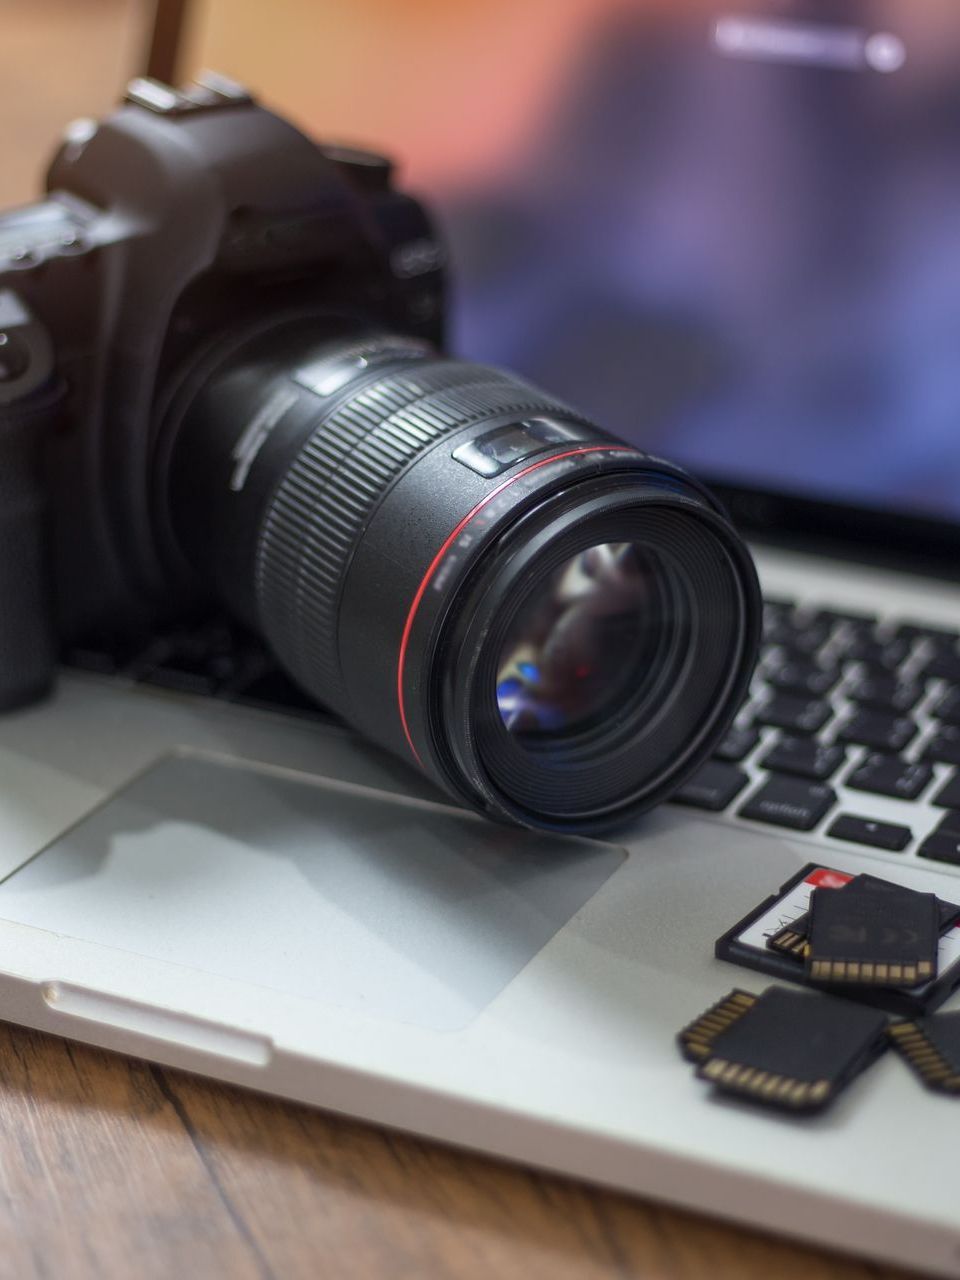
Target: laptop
734,241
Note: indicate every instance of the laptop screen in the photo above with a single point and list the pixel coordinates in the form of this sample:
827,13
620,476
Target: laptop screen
729,230
734,238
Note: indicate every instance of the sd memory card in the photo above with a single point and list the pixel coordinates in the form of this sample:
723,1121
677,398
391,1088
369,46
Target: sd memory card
792,939
932,1047
887,939
746,944
783,1049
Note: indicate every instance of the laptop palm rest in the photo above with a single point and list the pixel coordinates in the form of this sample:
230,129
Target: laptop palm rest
370,901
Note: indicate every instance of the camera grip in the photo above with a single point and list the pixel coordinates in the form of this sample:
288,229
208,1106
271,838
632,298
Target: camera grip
28,647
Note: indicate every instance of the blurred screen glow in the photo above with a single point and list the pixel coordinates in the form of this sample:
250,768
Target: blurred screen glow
748,263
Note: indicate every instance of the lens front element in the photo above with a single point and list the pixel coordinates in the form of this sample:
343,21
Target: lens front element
581,646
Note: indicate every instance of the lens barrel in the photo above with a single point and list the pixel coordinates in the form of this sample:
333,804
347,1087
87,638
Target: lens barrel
554,626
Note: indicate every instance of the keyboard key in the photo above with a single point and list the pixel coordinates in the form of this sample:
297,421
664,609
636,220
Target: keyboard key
796,715
878,835
788,802
793,674
941,847
950,823
713,787
776,613
861,623
943,666
877,730
199,660
886,655
99,661
948,707
796,634
808,639
737,745
944,646
804,757
777,628
884,691
890,776
107,657
940,638
948,797
944,746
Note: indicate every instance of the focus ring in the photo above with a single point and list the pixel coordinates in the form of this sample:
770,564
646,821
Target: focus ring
317,515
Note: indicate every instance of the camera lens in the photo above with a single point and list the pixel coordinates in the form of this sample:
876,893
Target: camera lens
555,627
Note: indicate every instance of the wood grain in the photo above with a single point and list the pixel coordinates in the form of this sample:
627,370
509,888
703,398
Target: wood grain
110,1167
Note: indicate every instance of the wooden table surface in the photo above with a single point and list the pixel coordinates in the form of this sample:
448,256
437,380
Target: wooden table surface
113,1168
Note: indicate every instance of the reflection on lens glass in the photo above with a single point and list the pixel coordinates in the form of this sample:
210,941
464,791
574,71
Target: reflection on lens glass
581,645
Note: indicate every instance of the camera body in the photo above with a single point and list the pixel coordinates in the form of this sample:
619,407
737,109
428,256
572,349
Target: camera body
182,217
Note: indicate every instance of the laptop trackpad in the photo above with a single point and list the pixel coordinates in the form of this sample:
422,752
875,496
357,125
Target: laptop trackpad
385,905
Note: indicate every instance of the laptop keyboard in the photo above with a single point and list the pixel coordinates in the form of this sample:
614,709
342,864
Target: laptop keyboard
851,729
211,659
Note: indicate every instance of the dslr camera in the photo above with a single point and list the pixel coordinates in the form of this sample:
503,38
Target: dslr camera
223,386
